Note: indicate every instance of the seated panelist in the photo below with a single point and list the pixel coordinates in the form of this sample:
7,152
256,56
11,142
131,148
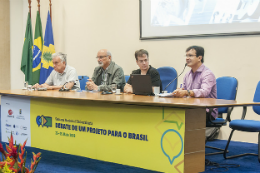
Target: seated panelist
106,74
200,80
142,60
62,74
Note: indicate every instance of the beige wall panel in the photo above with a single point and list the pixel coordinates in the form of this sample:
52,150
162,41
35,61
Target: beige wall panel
4,44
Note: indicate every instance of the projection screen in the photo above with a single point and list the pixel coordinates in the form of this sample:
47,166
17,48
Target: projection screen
196,18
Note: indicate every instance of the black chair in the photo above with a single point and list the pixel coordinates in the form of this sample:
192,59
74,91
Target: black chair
226,89
246,126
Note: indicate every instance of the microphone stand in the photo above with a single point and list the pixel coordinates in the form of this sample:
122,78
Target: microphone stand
175,78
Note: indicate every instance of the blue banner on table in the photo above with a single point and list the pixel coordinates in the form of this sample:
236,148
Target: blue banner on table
48,50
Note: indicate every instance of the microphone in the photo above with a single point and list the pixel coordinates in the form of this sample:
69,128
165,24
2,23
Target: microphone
66,89
175,78
63,87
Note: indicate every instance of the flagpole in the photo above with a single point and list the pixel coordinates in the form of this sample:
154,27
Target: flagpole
29,2
39,6
50,10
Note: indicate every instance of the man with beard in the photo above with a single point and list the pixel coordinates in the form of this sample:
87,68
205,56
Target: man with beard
106,74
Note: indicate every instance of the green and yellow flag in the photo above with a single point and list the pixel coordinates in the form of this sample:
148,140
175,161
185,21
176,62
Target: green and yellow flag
37,50
27,56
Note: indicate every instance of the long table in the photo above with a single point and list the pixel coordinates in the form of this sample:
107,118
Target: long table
155,133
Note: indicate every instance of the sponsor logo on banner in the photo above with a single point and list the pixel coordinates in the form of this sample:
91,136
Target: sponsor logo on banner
23,134
44,121
16,133
10,113
23,128
20,117
15,126
9,131
8,125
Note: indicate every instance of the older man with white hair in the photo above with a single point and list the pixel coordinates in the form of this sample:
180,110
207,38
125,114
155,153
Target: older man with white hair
62,75
106,74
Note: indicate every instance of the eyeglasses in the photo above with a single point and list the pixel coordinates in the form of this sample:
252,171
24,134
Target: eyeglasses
101,57
189,56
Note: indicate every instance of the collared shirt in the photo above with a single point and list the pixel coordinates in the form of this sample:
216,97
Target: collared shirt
58,79
104,76
203,84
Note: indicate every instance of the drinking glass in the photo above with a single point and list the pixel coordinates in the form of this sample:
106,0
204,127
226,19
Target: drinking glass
114,87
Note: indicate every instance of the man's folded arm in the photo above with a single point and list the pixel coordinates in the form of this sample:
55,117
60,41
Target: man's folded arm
72,79
93,79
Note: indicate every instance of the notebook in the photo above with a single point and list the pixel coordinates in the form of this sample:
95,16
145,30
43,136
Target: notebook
142,84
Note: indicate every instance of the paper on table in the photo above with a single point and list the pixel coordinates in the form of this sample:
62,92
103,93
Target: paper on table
165,95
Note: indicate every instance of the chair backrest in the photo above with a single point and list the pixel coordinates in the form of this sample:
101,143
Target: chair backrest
226,89
167,74
82,81
126,78
257,99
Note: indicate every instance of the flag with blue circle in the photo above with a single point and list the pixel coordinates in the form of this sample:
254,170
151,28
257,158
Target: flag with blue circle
37,50
48,50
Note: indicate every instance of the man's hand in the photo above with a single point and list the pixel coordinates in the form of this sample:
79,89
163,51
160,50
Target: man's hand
128,88
180,92
42,86
36,85
91,85
46,86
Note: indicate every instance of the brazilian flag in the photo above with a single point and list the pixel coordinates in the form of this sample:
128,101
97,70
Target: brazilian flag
27,56
37,50
48,50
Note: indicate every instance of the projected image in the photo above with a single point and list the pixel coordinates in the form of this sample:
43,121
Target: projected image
197,12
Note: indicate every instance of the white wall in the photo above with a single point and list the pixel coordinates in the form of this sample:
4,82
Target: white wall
82,27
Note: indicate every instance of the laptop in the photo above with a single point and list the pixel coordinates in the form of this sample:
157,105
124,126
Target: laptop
142,84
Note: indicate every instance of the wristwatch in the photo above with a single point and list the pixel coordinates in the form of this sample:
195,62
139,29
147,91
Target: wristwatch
188,92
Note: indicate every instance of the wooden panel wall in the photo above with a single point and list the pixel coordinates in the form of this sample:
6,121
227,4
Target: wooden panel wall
194,149
5,44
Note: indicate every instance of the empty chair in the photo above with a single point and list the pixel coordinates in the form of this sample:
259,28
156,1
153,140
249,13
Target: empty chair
167,74
226,89
82,81
246,126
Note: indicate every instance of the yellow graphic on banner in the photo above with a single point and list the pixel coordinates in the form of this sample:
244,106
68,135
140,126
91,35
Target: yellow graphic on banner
141,136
